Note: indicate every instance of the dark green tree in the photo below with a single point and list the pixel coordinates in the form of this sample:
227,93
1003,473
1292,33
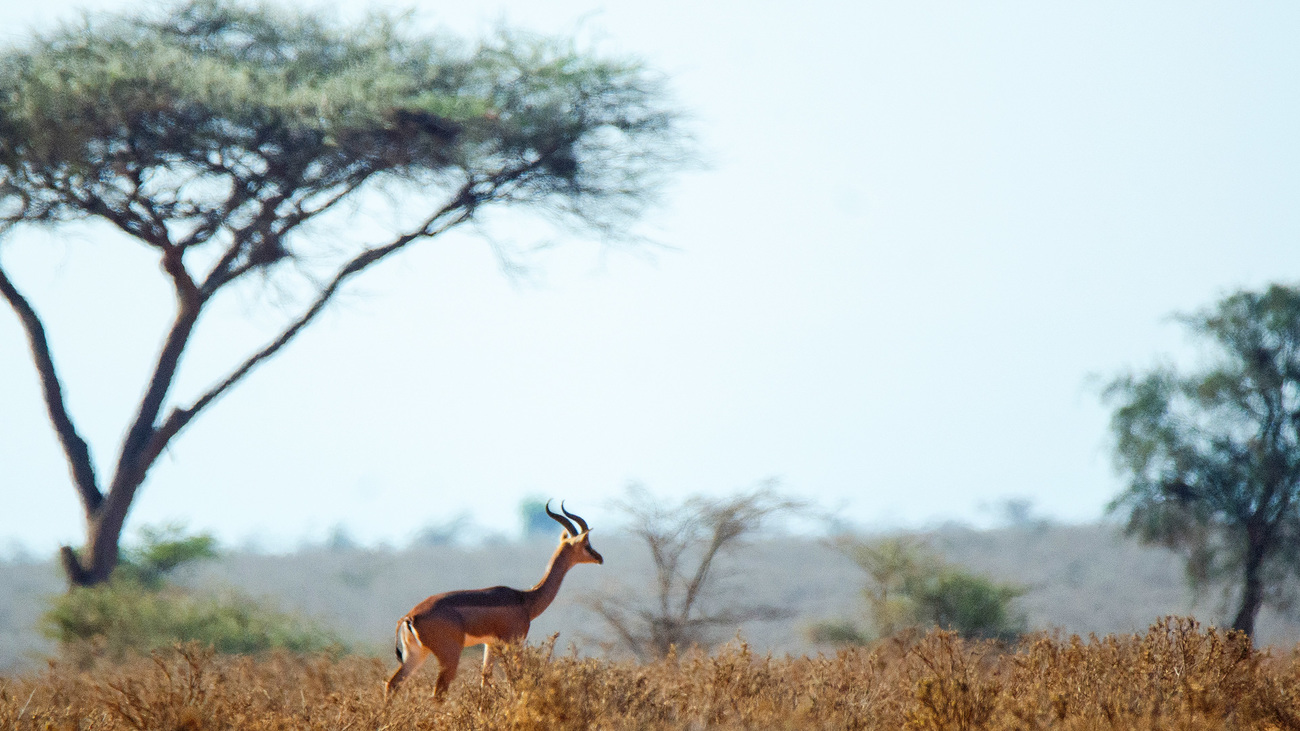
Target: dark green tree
1212,457
233,141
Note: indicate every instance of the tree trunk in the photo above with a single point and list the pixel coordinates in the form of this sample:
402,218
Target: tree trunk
95,562
1252,589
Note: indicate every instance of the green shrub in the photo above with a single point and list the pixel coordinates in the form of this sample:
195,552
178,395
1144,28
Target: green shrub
910,586
972,606
139,610
838,632
123,617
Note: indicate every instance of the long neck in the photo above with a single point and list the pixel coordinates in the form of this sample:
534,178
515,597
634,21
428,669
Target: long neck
538,598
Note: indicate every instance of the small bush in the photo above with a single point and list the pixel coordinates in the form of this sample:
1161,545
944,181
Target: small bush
972,606
840,632
139,610
123,617
911,587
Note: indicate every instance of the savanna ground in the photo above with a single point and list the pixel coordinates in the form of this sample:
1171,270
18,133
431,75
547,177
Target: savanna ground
1081,580
1177,675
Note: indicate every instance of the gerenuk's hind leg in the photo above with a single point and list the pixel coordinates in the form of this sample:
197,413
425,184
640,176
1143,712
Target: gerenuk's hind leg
446,674
447,650
412,663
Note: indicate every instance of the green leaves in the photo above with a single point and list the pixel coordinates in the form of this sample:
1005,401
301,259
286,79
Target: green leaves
120,112
163,550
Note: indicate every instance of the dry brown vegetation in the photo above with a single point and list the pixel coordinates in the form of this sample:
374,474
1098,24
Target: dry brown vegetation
1175,676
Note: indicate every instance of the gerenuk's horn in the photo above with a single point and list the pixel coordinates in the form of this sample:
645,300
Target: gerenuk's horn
576,519
561,519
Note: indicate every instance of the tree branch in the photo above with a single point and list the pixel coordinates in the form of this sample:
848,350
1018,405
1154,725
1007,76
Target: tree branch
180,417
75,448
702,571
613,614
243,192
225,270
123,218
133,459
133,462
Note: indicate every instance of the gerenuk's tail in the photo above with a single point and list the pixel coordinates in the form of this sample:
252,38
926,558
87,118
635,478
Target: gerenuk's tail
407,639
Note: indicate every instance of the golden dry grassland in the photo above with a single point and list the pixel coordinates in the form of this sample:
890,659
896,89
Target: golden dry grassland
1176,676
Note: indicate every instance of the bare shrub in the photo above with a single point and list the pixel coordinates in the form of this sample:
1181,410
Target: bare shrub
685,542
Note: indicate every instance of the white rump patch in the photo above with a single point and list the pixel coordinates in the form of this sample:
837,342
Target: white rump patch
407,637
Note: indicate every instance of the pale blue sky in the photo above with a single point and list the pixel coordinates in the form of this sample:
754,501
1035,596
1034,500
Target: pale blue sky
923,225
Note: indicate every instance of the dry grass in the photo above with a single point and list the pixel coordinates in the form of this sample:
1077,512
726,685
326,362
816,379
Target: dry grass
1176,676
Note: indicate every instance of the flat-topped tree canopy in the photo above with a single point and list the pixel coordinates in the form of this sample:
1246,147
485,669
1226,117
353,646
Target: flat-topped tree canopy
135,118
222,128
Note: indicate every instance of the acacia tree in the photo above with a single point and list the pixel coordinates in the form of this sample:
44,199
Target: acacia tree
213,134
1213,457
